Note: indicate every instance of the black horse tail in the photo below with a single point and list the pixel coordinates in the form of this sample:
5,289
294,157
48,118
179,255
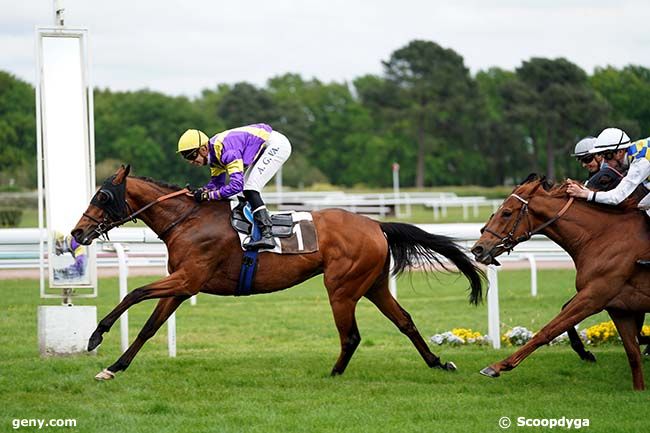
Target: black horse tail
412,246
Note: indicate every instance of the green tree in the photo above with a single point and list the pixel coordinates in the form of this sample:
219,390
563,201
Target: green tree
628,92
17,131
566,108
433,100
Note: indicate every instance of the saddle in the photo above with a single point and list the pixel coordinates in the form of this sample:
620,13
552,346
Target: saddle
295,231
241,219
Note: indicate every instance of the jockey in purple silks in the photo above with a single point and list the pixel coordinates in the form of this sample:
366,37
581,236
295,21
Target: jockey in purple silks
67,244
249,156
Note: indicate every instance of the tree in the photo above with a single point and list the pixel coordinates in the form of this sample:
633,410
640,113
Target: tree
566,107
17,131
433,102
628,92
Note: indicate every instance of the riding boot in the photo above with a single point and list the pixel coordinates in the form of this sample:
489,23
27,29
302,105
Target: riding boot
643,263
263,220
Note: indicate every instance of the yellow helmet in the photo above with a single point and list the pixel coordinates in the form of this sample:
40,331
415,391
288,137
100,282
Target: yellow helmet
191,139
61,244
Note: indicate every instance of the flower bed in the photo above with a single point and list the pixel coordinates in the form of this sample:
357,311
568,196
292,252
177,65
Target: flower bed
604,332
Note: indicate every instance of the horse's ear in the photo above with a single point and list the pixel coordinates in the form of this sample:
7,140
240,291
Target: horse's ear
121,174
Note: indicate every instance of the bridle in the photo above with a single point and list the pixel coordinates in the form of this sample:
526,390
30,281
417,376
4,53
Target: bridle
111,199
508,242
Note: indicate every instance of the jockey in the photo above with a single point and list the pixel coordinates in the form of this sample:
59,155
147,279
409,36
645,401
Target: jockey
587,160
250,156
619,151
67,244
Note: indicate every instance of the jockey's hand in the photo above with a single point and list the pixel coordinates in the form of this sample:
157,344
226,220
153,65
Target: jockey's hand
577,190
200,195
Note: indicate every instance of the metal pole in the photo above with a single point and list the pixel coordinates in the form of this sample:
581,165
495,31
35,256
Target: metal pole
58,13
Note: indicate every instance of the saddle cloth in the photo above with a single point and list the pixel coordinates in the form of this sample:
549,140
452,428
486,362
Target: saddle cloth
293,232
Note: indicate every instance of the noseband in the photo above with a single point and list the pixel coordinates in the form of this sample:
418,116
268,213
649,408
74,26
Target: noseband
508,242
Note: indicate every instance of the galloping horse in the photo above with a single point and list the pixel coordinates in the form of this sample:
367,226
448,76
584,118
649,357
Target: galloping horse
205,256
604,243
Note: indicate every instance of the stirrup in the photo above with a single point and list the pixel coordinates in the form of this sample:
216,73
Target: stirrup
262,243
643,262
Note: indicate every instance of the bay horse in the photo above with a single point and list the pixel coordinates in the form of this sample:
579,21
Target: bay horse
205,256
604,242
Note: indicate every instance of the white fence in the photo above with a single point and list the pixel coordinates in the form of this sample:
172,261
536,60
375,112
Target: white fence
19,249
381,204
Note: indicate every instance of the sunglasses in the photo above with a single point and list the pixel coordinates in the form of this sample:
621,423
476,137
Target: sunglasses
190,154
585,159
609,155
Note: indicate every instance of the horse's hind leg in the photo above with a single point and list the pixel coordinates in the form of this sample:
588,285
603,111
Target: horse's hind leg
161,313
576,342
627,327
346,323
381,297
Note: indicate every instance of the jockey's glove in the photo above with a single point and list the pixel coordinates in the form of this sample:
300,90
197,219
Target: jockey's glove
201,195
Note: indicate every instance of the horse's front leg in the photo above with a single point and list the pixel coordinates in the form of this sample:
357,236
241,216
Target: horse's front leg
175,284
579,308
161,313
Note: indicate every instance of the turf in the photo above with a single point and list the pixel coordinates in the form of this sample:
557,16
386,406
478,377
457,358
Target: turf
261,364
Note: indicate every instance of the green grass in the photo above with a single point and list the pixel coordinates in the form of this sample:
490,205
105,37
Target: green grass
261,364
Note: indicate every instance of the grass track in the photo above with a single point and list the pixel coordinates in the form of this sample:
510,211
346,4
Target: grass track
261,364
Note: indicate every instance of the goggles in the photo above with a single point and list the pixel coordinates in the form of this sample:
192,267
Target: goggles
190,155
586,159
609,155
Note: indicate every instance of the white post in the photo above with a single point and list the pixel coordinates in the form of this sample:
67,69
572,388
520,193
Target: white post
392,280
193,300
171,327
533,274
171,335
396,188
123,276
493,307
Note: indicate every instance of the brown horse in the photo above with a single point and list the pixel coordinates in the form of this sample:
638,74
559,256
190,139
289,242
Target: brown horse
205,256
604,242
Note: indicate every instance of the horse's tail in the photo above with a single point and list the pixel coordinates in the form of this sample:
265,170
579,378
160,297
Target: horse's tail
411,246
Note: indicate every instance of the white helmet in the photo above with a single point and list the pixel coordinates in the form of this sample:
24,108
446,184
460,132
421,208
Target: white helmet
611,139
584,146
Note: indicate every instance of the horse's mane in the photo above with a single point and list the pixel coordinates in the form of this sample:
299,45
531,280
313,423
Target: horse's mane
162,184
559,190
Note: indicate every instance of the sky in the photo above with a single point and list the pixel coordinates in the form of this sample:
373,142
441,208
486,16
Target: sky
183,47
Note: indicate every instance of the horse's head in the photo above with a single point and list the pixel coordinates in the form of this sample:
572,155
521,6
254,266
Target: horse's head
107,209
510,224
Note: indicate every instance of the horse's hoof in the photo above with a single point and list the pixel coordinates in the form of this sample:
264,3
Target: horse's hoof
94,341
105,374
589,357
449,366
489,372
